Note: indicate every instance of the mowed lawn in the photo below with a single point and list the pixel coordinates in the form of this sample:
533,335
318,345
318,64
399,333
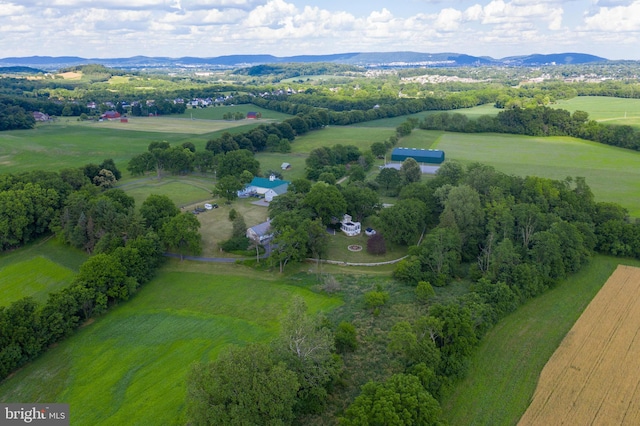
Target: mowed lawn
130,366
37,270
612,173
504,370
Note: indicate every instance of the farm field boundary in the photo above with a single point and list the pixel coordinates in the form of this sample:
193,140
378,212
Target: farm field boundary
504,370
593,376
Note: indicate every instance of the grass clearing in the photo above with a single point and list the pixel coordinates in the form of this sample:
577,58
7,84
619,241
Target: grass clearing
612,173
504,370
137,356
583,382
37,270
183,190
345,135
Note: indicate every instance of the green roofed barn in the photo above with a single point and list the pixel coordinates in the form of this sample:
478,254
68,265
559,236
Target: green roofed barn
429,156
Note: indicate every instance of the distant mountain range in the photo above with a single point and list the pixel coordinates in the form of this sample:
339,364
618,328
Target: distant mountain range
369,60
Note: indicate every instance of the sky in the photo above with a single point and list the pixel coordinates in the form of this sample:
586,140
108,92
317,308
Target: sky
210,28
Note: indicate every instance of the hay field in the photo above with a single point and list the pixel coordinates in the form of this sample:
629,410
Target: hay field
594,376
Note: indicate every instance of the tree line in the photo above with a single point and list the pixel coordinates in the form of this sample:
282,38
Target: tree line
538,121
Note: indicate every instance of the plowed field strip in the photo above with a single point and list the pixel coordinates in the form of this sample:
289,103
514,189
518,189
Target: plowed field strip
594,376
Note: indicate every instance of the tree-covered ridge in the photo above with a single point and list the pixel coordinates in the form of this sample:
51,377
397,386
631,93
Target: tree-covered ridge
288,70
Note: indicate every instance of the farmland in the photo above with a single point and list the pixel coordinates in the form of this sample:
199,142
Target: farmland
108,371
138,355
593,375
518,348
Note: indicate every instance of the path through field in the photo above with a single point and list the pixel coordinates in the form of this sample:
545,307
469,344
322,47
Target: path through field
594,376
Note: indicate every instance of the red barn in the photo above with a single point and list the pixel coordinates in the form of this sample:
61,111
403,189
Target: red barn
110,115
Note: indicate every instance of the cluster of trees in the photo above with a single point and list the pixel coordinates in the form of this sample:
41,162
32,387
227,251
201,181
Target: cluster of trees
301,216
158,107
330,163
283,71
266,137
538,121
29,328
181,159
14,117
268,383
31,202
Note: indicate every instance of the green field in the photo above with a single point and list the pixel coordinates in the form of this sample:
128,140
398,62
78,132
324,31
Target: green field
69,143
504,370
606,109
129,366
612,173
38,269
183,190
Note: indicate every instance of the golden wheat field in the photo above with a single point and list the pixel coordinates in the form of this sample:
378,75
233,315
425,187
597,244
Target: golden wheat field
594,376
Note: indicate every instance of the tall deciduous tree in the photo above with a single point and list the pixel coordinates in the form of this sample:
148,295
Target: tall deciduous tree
306,346
403,222
401,400
228,187
180,233
326,201
410,171
244,386
158,209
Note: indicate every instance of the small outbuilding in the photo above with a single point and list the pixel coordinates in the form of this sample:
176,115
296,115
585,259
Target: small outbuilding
428,156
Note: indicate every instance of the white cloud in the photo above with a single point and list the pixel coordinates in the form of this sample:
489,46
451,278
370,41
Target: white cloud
287,27
10,9
615,19
448,19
